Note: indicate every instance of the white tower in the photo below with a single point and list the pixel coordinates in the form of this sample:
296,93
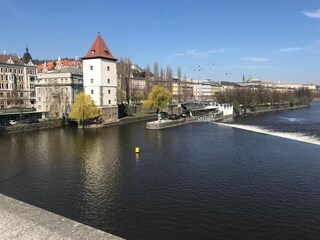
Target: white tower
100,78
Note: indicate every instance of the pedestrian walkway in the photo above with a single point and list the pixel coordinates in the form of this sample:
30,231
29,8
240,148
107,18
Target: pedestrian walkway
21,221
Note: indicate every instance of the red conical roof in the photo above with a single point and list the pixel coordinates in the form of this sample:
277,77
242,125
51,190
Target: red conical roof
99,49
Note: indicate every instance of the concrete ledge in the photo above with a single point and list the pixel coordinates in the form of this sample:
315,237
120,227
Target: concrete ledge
156,125
22,221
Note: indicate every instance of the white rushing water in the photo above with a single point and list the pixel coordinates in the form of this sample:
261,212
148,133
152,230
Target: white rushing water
292,136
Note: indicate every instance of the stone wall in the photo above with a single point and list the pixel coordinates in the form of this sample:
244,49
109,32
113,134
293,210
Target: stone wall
32,126
109,114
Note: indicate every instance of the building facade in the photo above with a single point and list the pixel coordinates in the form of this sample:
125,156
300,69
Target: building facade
17,79
182,90
100,78
56,90
202,90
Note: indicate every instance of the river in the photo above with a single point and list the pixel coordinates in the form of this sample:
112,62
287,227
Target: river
198,181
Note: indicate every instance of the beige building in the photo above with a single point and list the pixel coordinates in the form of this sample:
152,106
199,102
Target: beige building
182,91
56,90
202,90
17,78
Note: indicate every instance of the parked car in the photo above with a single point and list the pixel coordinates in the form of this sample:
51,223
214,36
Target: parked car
13,122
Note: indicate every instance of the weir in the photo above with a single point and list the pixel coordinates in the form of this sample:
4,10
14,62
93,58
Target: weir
291,136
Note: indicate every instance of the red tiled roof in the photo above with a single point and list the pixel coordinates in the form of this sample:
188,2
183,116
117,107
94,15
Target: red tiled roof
64,62
99,49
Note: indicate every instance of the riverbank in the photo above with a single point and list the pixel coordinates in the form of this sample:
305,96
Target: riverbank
291,136
33,126
271,108
21,221
42,125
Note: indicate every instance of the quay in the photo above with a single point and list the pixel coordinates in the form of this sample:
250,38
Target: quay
161,124
21,221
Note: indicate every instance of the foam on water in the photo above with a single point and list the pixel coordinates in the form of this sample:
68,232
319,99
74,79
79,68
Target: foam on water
292,136
291,119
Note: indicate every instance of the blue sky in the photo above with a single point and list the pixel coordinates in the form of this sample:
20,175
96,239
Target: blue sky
267,39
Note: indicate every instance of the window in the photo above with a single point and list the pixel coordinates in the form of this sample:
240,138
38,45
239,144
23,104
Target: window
92,91
91,80
108,68
92,52
109,101
109,92
91,67
108,80
106,52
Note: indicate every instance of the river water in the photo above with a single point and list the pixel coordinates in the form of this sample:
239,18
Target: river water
198,181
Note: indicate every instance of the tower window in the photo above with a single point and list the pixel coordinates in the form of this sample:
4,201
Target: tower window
108,80
92,91
91,80
109,92
106,52
109,101
92,52
91,67
108,68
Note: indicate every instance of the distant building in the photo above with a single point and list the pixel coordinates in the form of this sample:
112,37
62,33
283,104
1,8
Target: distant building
183,90
17,78
56,90
202,90
100,78
46,66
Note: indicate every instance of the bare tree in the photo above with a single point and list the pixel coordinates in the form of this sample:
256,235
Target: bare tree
169,78
179,74
156,73
162,77
124,74
147,78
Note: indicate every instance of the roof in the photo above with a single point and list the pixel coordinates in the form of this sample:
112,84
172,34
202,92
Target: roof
99,49
72,70
16,59
51,65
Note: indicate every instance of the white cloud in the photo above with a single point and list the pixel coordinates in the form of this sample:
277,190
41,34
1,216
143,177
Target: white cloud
255,59
313,14
291,49
194,53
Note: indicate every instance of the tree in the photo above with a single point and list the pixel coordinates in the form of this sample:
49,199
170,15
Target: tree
156,73
158,98
147,78
169,77
124,74
84,109
179,73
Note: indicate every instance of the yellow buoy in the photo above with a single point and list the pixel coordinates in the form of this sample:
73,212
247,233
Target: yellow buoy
137,149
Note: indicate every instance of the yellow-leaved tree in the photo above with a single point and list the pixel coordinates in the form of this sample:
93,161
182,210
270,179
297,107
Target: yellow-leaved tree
84,109
158,98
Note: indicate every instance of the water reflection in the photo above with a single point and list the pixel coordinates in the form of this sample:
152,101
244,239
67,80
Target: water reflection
98,151
196,180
